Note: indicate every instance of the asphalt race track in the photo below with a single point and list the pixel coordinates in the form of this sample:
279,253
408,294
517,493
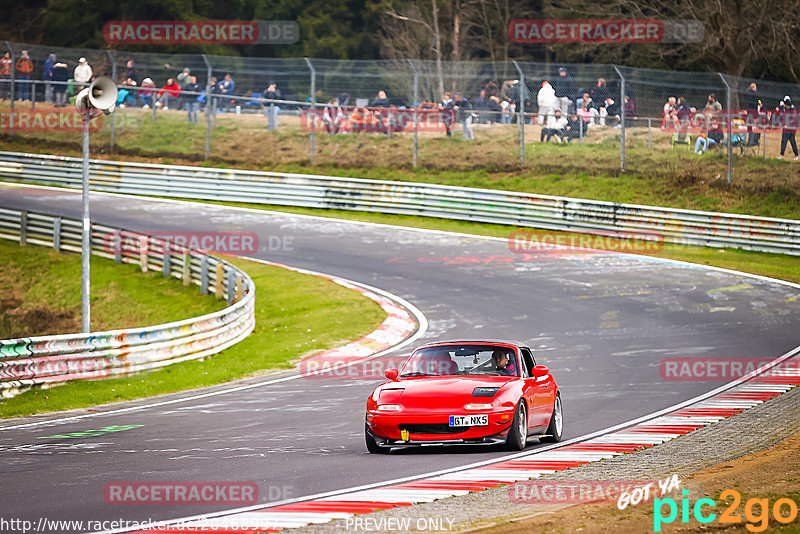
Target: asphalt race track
603,322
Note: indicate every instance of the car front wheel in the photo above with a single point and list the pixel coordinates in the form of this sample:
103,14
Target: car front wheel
518,433
373,447
556,427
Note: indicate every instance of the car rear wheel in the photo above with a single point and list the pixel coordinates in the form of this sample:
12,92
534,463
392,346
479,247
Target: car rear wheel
556,427
373,447
518,433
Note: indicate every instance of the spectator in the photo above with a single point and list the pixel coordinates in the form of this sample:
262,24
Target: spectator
753,106
630,110
5,75
463,108
682,111
47,76
169,94
599,93
356,120
555,125
333,117
83,73
381,101
190,94
584,98
124,93
585,109
546,100
507,92
446,109
145,94
491,89
184,78
59,78
564,88
482,106
789,118
667,120
24,67
227,88
612,111
713,137
710,111
506,111
213,85
574,128
130,71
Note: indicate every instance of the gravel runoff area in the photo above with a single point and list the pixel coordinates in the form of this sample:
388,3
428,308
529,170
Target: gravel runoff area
752,430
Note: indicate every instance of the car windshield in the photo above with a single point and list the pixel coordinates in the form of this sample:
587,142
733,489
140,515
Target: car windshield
462,360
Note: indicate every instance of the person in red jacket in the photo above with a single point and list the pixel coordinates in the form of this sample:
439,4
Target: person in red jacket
24,67
789,119
169,94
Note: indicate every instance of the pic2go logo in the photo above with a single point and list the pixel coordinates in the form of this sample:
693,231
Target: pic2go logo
756,511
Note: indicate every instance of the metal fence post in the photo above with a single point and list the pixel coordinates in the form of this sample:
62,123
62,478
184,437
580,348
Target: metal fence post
649,132
218,280
313,107
118,246
730,122
622,118
23,228
208,106
166,261
57,234
416,107
204,275
187,268
11,89
521,114
114,115
231,285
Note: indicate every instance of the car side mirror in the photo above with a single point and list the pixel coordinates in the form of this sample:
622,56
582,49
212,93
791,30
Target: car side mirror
392,373
540,370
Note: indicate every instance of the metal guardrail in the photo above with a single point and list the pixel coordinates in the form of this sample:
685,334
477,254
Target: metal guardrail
33,361
450,202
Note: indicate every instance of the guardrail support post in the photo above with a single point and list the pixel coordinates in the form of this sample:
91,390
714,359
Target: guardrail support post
187,268
204,275
208,106
730,122
218,280
521,119
622,118
238,288
313,108
118,246
649,133
166,261
764,144
231,284
143,252
57,234
23,228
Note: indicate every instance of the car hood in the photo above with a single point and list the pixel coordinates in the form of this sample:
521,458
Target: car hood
440,393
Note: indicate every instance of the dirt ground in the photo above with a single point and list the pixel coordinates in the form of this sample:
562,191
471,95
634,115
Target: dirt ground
770,474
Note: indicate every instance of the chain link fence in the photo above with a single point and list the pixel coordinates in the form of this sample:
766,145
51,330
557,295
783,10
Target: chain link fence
395,112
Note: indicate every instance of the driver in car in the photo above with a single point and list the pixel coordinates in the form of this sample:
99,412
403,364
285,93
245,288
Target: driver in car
502,364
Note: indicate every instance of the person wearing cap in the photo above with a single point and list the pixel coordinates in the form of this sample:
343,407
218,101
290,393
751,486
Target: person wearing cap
546,100
130,71
184,79
47,76
789,120
564,89
145,96
83,73
23,68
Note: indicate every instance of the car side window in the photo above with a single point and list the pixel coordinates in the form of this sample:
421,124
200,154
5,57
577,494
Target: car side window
528,361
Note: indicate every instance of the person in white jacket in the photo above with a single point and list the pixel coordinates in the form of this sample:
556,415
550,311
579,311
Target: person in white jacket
83,72
556,125
546,100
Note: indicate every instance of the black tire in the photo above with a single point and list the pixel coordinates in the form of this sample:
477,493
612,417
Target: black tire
518,433
556,427
373,447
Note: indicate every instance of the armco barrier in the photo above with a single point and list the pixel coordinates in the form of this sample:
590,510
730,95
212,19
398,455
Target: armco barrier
42,360
470,204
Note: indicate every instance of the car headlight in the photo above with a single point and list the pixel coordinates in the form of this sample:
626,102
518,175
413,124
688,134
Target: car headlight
389,408
478,406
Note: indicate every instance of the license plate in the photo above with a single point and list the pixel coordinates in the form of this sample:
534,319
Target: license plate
469,420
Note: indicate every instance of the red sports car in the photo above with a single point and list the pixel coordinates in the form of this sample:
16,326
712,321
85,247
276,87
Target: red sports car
463,393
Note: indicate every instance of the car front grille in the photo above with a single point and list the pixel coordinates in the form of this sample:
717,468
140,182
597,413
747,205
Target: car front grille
439,428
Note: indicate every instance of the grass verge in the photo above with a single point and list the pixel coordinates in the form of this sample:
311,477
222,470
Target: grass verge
296,314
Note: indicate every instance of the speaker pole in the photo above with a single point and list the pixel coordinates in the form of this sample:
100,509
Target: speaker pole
86,236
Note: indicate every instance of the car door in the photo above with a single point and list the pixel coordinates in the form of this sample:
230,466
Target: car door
528,389
543,389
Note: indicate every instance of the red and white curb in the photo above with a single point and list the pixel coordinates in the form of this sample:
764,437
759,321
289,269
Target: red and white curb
751,390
